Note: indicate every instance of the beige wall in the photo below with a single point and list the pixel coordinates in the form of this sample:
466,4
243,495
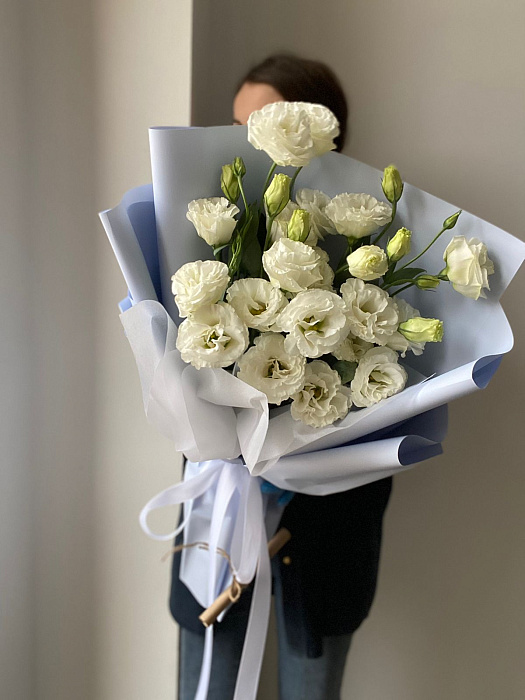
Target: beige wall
439,89
83,612
47,186
143,78
16,359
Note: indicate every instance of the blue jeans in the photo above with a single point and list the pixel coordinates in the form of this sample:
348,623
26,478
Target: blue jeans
300,678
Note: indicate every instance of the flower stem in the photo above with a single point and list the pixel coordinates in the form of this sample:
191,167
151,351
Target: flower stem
268,177
239,180
425,249
402,289
394,210
294,178
397,283
343,265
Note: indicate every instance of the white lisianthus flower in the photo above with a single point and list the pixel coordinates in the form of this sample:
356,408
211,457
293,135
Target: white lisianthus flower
369,262
323,399
315,320
315,202
378,376
214,336
280,225
397,340
291,265
327,273
351,349
468,266
199,283
358,215
257,302
213,218
292,133
372,313
268,367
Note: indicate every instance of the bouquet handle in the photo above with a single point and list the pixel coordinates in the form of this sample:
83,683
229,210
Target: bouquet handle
233,592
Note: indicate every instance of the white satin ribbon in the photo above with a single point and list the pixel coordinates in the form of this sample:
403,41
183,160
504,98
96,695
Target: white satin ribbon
237,518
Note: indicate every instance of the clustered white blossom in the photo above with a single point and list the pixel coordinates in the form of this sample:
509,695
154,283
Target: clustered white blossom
292,133
357,215
323,399
295,333
291,265
213,219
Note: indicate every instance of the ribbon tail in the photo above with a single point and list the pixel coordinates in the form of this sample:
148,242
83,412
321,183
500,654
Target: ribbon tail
204,678
253,650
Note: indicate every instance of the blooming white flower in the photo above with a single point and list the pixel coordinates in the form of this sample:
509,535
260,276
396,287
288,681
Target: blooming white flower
214,336
256,301
324,127
378,376
397,340
369,262
268,367
213,217
315,202
280,225
291,265
357,215
468,266
315,321
323,399
372,313
199,283
351,349
326,271
292,133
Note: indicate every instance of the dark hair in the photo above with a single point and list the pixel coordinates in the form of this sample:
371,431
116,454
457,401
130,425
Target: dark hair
303,80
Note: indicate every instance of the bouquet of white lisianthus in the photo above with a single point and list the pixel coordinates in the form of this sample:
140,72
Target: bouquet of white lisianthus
271,321
273,309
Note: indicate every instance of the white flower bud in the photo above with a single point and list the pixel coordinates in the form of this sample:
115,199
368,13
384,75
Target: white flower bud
369,262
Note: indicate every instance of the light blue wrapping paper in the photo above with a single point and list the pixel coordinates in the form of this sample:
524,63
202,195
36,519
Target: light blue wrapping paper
210,414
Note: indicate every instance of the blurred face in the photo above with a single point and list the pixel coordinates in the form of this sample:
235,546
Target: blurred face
251,97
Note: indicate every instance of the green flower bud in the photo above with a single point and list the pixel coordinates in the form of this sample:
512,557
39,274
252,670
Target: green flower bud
299,225
427,282
392,184
398,246
451,221
229,183
422,330
238,167
277,195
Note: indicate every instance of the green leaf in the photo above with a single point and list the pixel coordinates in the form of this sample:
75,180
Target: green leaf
219,248
251,253
407,273
346,370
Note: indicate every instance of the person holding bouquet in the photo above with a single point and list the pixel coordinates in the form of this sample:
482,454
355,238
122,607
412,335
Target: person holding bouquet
325,578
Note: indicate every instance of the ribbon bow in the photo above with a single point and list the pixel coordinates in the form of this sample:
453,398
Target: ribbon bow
238,522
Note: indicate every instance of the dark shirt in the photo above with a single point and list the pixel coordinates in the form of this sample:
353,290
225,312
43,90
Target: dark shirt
328,570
